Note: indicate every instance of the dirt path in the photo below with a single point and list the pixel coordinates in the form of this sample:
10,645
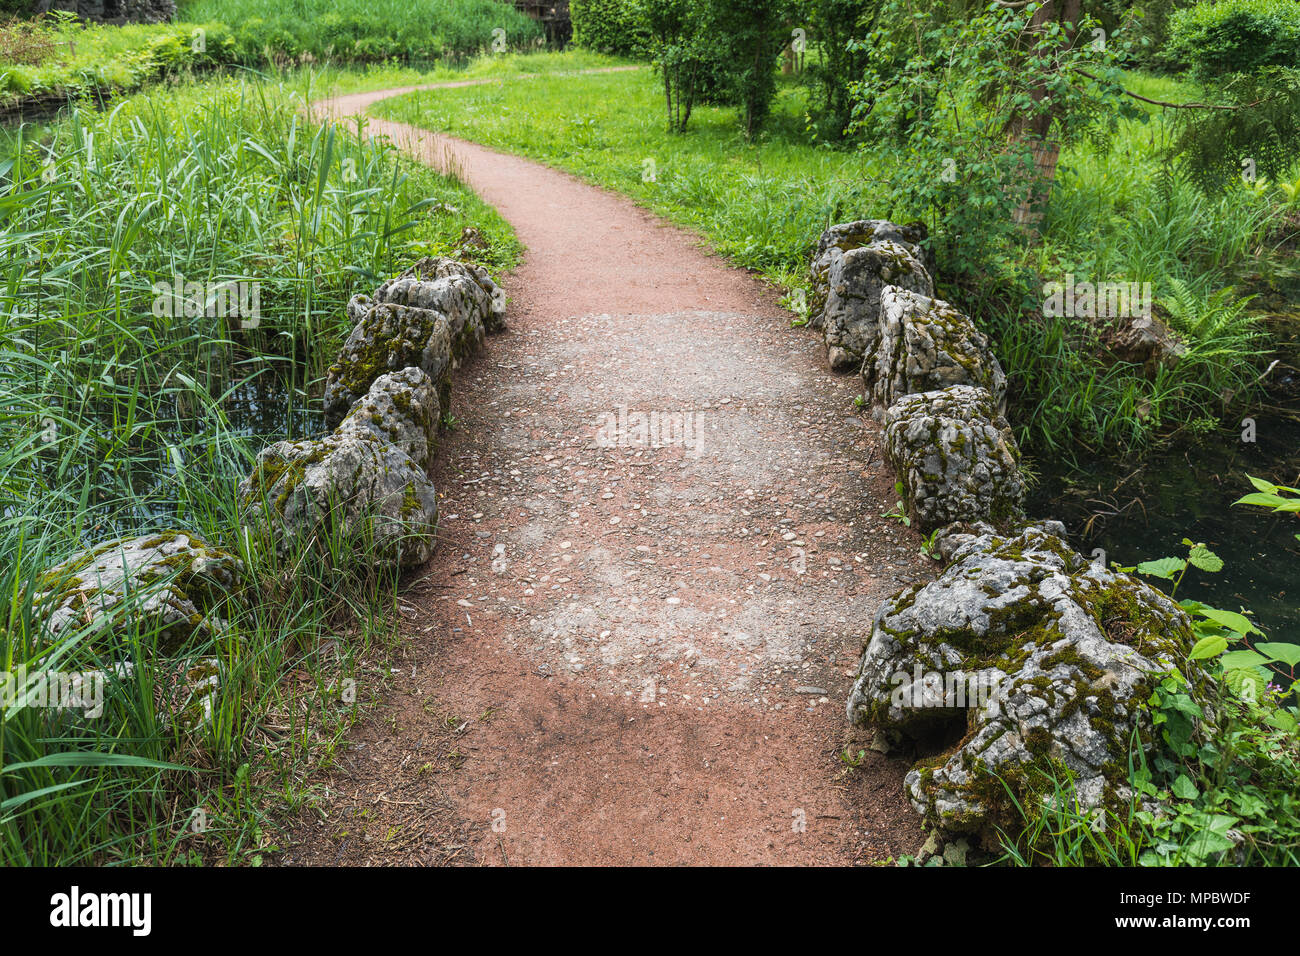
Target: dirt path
631,654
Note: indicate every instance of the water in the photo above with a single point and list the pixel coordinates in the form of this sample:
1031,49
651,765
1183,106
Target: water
1143,512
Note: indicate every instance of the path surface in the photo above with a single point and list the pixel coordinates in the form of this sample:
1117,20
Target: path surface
631,654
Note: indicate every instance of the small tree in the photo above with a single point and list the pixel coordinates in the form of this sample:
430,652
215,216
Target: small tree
753,32
677,35
725,50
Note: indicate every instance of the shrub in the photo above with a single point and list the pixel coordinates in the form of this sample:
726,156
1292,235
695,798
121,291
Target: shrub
833,25
1235,36
611,26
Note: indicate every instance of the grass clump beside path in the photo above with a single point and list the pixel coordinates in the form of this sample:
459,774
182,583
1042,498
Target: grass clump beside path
116,420
1116,213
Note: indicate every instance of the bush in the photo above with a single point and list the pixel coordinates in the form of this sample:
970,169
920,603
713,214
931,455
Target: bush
1235,36
832,25
610,26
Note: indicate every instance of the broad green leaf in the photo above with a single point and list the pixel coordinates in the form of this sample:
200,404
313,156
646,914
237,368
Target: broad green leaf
1184,789
1238,659
1264,500
1208,647
1167,568
1283,720
1206,560
1248,683
1230,619
1288,654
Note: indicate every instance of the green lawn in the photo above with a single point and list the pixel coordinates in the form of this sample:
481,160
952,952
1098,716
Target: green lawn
760,204
763,204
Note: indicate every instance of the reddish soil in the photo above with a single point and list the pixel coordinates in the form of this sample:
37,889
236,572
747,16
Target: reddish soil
631,654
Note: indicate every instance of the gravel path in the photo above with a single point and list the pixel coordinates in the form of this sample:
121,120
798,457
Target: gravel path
661,551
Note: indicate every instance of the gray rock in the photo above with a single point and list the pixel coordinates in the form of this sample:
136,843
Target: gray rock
927,344
955,457
401,408
1144,340
169,582
856,277
418,286
1039,661
388,338
353,485
844,236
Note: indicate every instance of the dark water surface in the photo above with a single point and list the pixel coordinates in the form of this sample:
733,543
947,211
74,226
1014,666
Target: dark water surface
1186,491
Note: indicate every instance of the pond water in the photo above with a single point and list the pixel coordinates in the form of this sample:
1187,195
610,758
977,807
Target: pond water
1137,513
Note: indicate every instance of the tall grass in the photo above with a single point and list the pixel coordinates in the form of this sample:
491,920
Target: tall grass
114,420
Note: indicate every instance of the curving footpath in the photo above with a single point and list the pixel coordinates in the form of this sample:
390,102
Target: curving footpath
661,548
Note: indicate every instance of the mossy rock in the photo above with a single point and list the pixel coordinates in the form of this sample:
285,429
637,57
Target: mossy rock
926,344
1056,658
168,583
956,458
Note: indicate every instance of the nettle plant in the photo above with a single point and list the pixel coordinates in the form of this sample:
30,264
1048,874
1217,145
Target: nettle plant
1226,778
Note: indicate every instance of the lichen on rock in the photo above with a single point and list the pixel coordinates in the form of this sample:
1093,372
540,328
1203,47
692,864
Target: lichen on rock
844,236
466,282
927,344
1056,658
955,457
401,408
856,277
167,582
353,485
387,338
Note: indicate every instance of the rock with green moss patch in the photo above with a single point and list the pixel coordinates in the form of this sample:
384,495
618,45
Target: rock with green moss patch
401,408
387,338
844,236
1039,661
955,456
354,487
170,582
926,344
856,277
466,286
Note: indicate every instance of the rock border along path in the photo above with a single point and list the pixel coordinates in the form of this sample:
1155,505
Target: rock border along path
621,653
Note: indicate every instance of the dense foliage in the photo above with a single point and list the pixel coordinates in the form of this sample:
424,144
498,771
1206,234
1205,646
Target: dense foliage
611,26
120,421
1235,36
72,58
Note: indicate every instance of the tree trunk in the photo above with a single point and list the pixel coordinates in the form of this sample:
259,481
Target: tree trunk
1036,129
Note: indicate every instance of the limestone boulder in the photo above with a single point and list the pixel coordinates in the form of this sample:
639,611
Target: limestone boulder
856,277
955,456
352,485
401,408
1021,662
168,583
389,338
844,236
927,344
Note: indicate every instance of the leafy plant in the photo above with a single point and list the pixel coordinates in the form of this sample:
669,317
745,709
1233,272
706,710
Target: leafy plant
1278,498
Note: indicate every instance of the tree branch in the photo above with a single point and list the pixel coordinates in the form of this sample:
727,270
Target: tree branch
1180,106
